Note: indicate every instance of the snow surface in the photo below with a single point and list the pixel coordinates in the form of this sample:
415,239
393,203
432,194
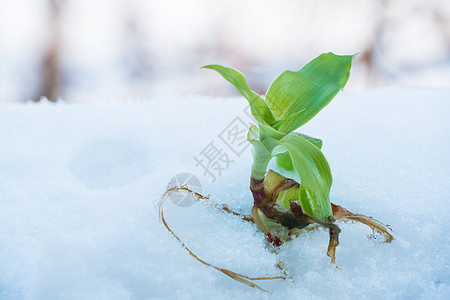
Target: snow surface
80,183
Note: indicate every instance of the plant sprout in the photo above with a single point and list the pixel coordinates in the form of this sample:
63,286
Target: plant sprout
292,193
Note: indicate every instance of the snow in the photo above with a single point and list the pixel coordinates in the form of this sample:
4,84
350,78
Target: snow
80,185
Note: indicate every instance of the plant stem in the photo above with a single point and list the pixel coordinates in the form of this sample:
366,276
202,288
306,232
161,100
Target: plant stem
261,159
259,169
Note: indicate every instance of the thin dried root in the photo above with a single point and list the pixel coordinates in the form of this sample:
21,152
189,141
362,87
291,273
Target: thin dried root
343,214
186,189
334,242
256,216
282,267
224,208
246,280
221,207
236,276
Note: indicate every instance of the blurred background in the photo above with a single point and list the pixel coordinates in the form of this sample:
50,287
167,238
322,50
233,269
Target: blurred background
110,50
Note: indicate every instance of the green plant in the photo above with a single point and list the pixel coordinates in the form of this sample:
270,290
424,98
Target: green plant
294,193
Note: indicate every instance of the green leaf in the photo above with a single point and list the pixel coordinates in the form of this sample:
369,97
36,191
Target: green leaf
259,108
268,132
305,92
260,151
283,162
314,173
307,202
315,141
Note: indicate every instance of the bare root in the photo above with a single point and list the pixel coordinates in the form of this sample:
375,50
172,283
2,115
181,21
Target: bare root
334,242
343,214
339,213
222,207
236,276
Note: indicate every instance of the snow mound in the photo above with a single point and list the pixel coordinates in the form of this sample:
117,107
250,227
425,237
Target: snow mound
80,185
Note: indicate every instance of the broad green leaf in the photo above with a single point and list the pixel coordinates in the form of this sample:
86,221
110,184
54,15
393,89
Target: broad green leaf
314,173
307,202
294,116
259,108
268,132
283,162
315,141
305,92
